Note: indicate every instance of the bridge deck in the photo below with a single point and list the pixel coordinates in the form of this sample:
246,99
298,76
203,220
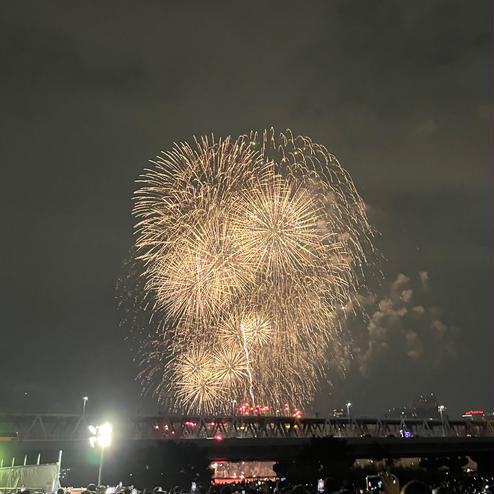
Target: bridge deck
69,427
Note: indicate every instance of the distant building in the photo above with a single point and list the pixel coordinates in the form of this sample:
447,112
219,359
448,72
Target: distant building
475,415
338,412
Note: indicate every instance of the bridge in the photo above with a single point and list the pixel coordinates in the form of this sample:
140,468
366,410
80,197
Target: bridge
72,427
291,442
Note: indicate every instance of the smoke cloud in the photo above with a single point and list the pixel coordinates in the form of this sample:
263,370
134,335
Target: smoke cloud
403,327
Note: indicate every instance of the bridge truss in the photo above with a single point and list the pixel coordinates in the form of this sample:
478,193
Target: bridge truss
69,427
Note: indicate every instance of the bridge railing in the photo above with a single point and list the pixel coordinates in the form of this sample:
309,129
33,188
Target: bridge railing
69,427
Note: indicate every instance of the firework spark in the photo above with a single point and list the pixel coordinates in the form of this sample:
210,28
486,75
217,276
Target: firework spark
250,247
247,361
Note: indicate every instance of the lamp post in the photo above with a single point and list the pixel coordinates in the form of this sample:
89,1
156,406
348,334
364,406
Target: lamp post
441,409
84,401
101,436
348,405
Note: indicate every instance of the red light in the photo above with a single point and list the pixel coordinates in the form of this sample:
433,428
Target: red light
475,412
244,409
218,438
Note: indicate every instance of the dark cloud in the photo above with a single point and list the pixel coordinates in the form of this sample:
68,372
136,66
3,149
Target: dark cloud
399,91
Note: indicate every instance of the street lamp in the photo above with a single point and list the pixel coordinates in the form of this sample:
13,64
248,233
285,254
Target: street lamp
348,405
101,436
441,409
84,401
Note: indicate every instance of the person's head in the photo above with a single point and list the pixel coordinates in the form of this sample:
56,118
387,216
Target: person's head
226,489
127,490
91,487
415,487
60,491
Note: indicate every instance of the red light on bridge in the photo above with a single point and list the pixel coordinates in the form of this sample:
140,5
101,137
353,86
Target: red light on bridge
475,412
218,438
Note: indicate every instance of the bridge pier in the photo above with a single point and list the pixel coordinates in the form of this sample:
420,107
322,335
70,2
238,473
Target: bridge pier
183,463
323,457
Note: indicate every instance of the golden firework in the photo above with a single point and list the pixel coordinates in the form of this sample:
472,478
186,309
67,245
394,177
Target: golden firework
230,365
195,381
276,225
255,326
250,247
201,273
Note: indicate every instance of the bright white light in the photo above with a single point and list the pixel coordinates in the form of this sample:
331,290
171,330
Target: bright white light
348,404
104,435
101,435
85,398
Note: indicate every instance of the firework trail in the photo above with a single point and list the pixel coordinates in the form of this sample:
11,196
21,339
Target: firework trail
247,364
247,249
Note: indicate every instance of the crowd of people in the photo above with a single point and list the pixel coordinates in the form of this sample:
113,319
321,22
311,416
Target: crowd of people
388,484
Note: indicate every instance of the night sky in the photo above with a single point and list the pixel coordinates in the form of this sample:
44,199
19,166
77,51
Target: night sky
400,92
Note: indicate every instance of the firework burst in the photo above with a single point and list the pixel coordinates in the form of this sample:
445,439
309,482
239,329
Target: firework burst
196,381
249,248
